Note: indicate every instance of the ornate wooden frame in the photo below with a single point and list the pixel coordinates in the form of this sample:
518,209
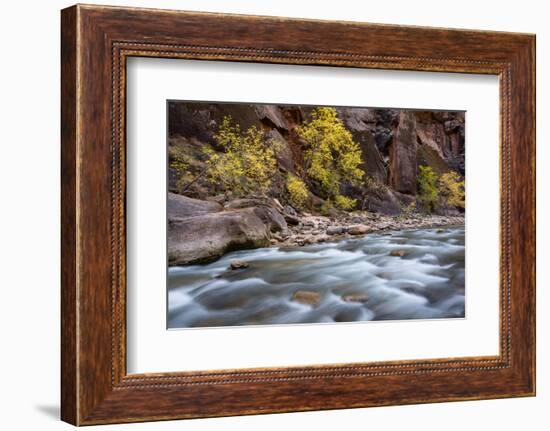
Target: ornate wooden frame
95,43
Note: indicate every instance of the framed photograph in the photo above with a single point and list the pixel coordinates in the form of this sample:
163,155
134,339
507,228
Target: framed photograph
264,214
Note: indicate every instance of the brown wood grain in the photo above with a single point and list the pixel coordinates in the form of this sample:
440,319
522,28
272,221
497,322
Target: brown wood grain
69,367
96,41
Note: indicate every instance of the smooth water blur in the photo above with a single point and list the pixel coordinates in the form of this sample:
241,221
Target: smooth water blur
427,282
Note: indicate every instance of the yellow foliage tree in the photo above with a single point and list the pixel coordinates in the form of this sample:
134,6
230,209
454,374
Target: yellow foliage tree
345,202
333,156
451,189
297,190
428,193
248,162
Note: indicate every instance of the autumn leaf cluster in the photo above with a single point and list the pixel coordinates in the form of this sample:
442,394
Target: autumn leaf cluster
246,164
247,161
332,156
435,191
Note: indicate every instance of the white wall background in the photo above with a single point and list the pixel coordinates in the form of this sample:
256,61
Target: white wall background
29,215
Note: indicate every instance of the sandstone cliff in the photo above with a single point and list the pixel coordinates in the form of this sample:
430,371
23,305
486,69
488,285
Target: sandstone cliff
394,143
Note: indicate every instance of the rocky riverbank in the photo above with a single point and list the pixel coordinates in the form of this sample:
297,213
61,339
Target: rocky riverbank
201,231
317,229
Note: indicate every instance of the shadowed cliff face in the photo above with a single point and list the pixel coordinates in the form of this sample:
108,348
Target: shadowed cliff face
393,142
402,155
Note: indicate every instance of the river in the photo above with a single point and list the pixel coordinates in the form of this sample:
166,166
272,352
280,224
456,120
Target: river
356,279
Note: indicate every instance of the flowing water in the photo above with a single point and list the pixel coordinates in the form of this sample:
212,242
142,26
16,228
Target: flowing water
352,279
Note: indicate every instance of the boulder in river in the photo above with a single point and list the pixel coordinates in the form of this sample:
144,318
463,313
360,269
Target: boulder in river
356,297
358,229
269,210
205,236
238,264
307,297
335,230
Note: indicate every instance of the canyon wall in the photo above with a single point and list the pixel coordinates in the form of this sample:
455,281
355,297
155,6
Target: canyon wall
394,142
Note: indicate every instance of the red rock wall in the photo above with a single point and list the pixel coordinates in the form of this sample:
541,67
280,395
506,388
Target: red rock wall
394,142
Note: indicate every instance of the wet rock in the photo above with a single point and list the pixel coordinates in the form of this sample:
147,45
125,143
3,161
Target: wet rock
440,231
358,229
335,230
398,253
307,297
238,264
292,219
356,297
